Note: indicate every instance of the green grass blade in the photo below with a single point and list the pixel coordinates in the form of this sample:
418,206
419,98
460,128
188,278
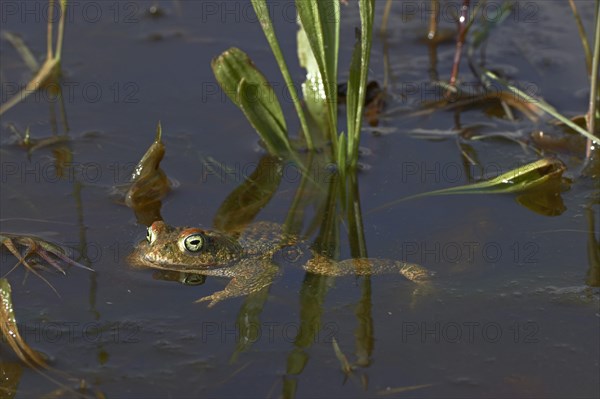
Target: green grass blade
593,108
321,22
341,161
61,29
357,82
356,231
313,87
19,44
592,156
247,87
263,118
521,179
353,106
262,12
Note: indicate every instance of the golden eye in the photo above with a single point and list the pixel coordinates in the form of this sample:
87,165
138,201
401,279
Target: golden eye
193,242
150,235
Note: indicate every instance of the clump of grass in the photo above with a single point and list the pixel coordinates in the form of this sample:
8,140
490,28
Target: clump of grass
49,72
319,48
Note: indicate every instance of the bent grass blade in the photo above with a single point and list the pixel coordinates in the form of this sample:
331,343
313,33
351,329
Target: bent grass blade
50,70
262,12
267,120
521,179
248,88
544,106
10,331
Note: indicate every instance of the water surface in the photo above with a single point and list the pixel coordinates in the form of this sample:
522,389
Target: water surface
512,312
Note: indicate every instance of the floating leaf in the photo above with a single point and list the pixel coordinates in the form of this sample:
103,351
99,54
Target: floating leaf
397,390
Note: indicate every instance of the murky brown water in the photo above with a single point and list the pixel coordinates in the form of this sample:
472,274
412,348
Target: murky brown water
511,313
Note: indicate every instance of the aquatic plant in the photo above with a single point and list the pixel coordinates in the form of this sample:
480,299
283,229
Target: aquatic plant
49,72
318,48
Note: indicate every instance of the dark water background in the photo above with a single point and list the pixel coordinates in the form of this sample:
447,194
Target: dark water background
511,314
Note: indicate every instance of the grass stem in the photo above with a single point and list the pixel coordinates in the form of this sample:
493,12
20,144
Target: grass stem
261,10
583,36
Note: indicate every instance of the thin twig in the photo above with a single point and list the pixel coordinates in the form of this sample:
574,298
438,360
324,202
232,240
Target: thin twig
463,20
433,19
49,51
61,28
386,15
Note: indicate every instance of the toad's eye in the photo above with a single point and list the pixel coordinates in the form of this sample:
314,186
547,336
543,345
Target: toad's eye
193,242
150,235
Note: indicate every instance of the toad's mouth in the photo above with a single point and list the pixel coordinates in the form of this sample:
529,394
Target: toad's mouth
142,257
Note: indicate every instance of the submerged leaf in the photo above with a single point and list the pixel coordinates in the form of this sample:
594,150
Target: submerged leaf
10,377
243,204
569,145
593,250
547,202
247,320
344,363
